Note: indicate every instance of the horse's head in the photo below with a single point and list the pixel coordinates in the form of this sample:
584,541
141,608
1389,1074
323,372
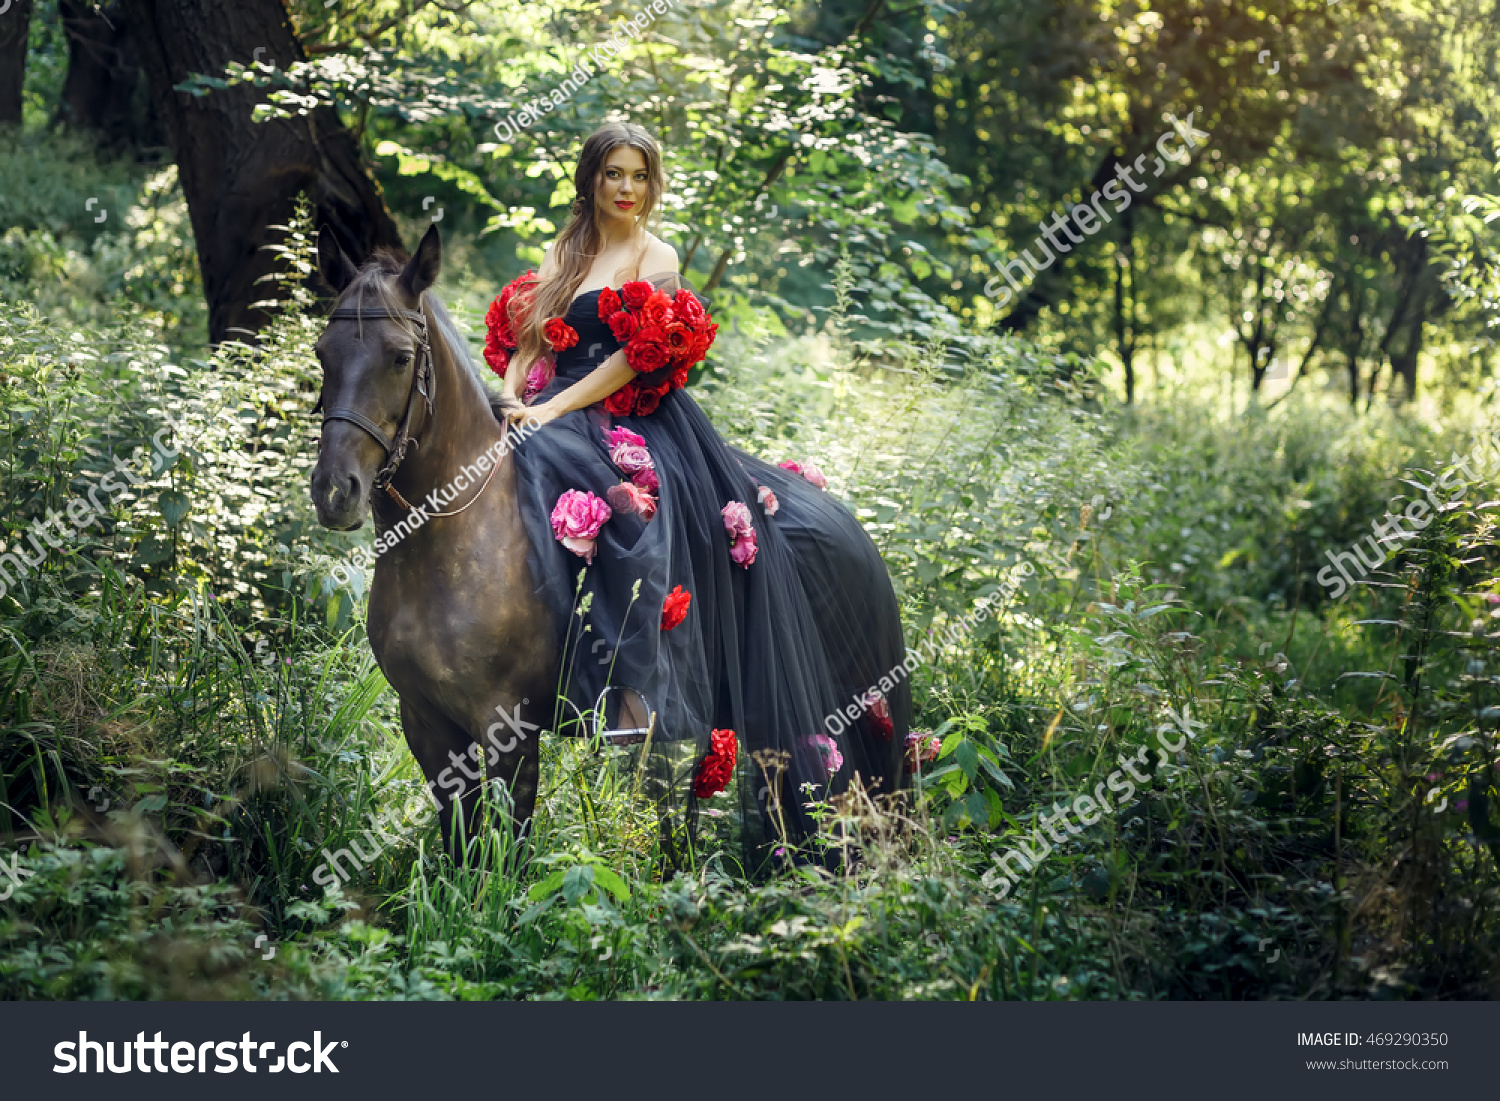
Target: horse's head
372,352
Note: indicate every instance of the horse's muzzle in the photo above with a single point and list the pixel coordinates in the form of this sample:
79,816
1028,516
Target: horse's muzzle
340,498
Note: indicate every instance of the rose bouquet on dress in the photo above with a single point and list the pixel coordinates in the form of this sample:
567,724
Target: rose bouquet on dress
628,452
663,335
506,312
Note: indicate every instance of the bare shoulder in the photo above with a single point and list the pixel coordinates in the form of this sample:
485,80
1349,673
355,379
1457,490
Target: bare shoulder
660,257
547,261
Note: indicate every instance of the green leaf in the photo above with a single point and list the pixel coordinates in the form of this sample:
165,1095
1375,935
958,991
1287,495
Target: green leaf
577,881
546,886
978,808
173,505
611,883
993,768
968,759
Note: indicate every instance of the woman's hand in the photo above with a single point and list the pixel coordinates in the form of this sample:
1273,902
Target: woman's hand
512,409
541,414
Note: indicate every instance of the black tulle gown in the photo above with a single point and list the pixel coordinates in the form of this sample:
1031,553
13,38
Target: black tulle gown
767,650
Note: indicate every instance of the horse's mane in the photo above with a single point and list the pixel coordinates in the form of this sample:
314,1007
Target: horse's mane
374,279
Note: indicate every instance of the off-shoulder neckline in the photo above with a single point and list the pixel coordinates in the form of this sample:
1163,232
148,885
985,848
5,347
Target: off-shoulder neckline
599,290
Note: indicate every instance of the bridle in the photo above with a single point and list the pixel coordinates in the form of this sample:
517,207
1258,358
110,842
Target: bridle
423,382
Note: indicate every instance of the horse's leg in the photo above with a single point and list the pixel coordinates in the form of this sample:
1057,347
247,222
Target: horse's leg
513,751
449,759
457,757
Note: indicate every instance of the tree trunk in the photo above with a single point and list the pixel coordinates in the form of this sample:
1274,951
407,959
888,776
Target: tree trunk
1125,333
1404,365
103,90
240,176
1356,339
15,29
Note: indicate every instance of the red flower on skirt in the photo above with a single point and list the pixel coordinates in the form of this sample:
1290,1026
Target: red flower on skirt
717,768
674,609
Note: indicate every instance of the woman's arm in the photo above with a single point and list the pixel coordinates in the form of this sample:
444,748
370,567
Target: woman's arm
597,385
515,378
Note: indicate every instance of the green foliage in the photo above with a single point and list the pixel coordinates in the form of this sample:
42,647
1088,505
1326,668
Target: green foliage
779,150
135,269
199,762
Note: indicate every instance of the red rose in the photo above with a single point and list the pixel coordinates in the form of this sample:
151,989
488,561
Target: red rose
635,293
560,334
657,310
679,378
674,609
497,329
705,340
646,403
699,349
623,325
647,350
716,769
508,310
622,402
498,359
687,306
679,340
609,302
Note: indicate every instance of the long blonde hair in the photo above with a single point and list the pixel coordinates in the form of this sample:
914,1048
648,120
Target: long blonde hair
581,240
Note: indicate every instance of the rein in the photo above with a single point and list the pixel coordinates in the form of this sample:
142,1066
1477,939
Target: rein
424,382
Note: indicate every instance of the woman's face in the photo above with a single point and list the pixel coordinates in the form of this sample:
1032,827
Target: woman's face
622,191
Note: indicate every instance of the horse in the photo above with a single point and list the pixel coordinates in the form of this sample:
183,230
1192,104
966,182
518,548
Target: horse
453,617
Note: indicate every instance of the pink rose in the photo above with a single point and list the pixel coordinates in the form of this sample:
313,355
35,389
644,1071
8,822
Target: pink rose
828,749
795,468
737,520
576,520
768,500
630,458
537,379
814,475
629,497
922,746
743,550
620,434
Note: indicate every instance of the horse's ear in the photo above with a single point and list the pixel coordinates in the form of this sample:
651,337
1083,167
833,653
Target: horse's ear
421,270
337,269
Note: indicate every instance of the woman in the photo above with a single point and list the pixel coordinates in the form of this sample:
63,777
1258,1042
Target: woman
734,595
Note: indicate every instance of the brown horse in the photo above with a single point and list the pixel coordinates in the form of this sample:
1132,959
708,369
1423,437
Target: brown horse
452,618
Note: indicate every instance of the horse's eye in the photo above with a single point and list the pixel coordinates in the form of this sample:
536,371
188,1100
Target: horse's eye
403,359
